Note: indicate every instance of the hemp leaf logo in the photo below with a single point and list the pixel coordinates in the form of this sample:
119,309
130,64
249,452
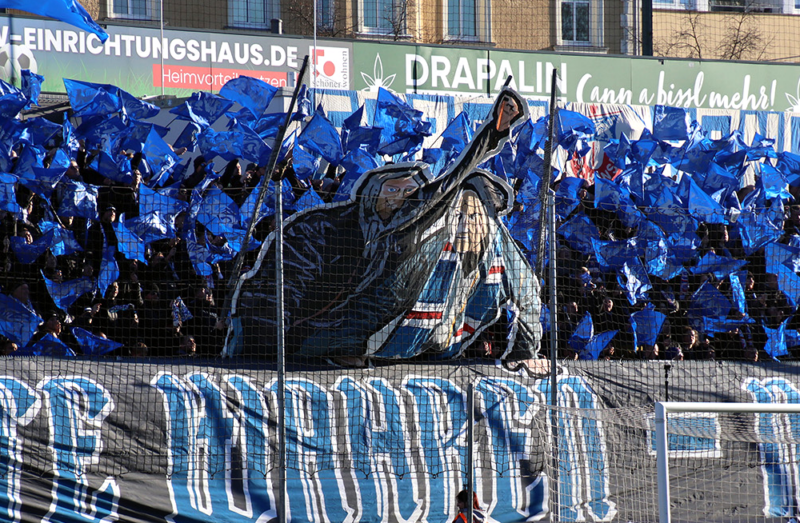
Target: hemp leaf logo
794,101
377,80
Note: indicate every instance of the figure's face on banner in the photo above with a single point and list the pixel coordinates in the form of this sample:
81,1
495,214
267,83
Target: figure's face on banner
473,225
393,193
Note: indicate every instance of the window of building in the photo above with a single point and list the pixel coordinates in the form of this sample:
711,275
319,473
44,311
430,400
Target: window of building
467,20
380,16
575,21
580,22
251,13
736,6
325,15
139,9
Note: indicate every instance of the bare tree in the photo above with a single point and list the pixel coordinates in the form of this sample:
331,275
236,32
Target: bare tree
332,19
397,18
742,36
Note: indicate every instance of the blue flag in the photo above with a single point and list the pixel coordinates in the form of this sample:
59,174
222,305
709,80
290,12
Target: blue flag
579,231
267,204
80,201
198,254
219,213
160,157
708,301
321,137
12,101
202,108
151,227
573,130
304,107
737,291
309,200
129,245
304,163
17,322
28,253
63,241
756,230
403,127
671,123
90,99
8,196
632,277
773,182
776,341
150,200
48,345
68,11
188,137
32,85
719,266
583,333
250,93
253,147
567,196
92,345
118,170
109,270
457,134
356,163
43,181
596,345
41,130
702,206
135,108
66,293
646,325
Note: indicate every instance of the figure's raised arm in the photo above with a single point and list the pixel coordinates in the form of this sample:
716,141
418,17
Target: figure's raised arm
508,111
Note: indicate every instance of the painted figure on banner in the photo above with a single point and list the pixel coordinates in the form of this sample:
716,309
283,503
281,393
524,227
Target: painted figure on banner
409,265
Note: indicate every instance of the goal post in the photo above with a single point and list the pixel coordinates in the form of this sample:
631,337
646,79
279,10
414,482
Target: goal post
662,411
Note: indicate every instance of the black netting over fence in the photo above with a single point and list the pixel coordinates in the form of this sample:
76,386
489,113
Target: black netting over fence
151,324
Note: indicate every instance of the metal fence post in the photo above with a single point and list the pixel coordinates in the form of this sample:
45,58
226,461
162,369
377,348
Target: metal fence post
470,448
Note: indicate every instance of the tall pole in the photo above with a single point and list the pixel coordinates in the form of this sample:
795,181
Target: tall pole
314,63
551,230
161,24
647,27
547,177
470,447
13,79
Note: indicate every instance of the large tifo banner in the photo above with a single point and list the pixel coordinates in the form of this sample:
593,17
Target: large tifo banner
138,442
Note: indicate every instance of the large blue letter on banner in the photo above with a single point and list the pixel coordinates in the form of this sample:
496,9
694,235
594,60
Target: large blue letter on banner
19,404
76,407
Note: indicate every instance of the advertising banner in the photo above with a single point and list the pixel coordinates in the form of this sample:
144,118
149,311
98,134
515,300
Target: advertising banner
581,78
192,60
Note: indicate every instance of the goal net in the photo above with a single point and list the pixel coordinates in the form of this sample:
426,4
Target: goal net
722,463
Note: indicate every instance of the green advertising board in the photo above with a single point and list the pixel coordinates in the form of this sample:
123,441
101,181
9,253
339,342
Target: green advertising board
581,78
139,61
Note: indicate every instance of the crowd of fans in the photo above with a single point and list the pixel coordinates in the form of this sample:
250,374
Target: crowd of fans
145,309
584,286
162,305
